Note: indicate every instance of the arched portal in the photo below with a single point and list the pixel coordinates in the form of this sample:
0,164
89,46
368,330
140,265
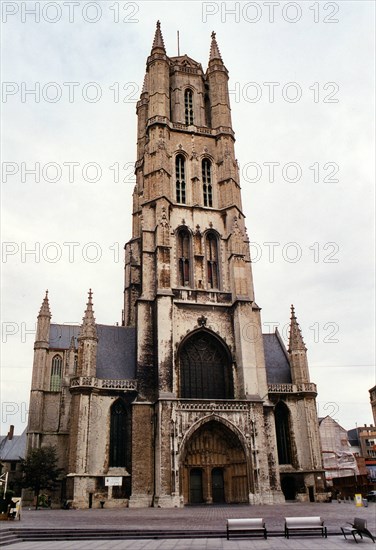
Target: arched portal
214,466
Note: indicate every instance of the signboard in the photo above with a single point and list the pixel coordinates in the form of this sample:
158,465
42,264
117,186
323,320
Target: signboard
358,500
113,481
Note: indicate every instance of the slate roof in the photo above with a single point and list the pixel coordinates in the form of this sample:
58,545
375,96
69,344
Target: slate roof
116,353
13,449
276,359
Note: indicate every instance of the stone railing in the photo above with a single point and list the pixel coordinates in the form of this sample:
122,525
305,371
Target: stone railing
212,406
103,383
292,388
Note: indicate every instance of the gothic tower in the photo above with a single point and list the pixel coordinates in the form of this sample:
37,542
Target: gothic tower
187,401
202,381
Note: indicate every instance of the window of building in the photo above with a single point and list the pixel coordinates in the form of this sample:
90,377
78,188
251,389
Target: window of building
205,368
211,251
56,373
282,426
180,179
188,104
184,254
118,435
207,183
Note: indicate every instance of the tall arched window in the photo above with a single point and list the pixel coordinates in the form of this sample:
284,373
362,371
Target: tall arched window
282,427
180,178
205,368
211,252
184,255
56,373
188,104
207,182
118,435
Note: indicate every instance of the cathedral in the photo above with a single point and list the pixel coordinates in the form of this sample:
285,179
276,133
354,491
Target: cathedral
187,401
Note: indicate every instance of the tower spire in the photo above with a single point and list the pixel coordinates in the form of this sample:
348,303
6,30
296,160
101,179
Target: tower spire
45,307
158,38
88,327
214,50
296,341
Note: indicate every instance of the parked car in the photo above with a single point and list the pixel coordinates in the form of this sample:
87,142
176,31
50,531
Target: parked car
371,496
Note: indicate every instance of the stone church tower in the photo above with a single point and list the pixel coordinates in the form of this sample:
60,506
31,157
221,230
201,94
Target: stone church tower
187,401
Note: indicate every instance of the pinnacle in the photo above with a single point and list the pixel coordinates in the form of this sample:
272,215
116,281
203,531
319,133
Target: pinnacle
296,341
214,50
158,38
45,307
145,85
88,327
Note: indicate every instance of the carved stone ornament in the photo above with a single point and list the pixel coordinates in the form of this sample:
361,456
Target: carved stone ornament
201,321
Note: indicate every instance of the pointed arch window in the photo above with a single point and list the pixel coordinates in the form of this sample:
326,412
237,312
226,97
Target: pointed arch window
180,179
207,182
282,427
118,435
211,252
184,256
205,368
56,373
188,105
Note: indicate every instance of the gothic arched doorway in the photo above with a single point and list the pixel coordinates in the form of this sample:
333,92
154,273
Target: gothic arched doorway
214,463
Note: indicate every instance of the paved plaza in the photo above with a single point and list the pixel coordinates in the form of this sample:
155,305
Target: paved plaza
154,521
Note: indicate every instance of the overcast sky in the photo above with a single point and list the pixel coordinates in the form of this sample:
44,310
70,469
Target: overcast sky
302,86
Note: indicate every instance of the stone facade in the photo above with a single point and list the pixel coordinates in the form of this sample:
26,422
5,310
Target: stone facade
187,401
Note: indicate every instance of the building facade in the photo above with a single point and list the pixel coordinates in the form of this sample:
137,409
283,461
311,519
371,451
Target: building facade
338,458
187,401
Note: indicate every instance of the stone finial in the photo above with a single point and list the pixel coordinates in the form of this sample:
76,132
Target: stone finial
88,327
45,307
296,342
214,50
158,38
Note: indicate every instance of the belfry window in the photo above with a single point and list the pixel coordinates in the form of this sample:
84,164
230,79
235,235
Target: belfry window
188,104
184,254
282,427
180,179
211,251
56,373
207,183
118,435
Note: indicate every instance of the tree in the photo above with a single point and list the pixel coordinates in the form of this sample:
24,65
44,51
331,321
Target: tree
40,470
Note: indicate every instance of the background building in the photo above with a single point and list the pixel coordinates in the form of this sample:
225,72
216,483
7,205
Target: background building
12,451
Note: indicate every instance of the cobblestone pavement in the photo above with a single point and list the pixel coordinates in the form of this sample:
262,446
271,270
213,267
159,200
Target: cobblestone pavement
190,519
277,543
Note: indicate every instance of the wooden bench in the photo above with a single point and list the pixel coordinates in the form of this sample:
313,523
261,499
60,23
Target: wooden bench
359,527
246,526
308,525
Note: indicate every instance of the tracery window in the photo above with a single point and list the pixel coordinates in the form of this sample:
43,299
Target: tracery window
188,104
205,368
180,179
118,435
184,255
56,373
207,183
211,252
282,426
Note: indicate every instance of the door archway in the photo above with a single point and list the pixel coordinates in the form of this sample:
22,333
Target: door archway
214,459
